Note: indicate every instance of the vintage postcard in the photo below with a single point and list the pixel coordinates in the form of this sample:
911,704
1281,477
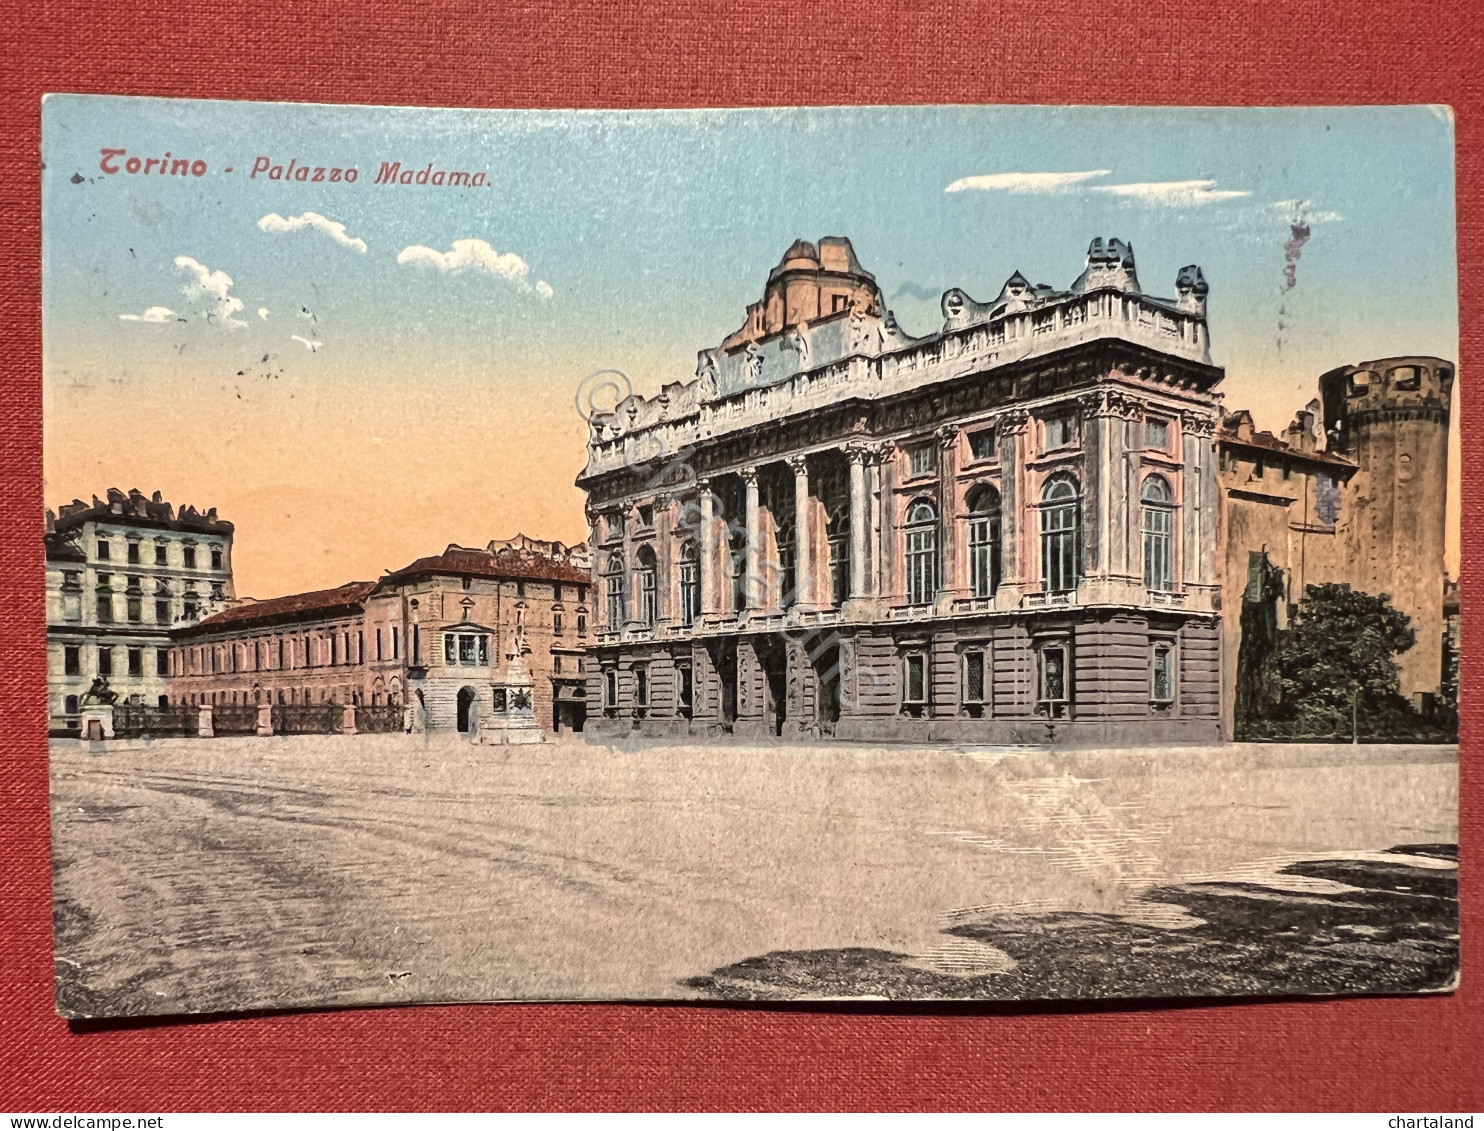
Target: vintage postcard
947,553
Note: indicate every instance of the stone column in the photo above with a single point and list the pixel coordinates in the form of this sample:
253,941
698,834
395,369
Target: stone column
664,581
803,546
859,520
203,721
886,509
706,550
752,587
1017,514
265,718
630,574
953,582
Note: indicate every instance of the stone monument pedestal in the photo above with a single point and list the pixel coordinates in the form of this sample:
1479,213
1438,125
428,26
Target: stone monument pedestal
512,720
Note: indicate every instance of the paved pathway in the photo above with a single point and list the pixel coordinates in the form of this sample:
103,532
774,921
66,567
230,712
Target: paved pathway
225,874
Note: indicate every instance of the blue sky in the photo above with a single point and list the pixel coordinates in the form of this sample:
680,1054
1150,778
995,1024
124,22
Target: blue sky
633,239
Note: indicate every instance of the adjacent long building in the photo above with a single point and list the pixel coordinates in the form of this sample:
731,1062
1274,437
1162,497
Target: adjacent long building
1005,531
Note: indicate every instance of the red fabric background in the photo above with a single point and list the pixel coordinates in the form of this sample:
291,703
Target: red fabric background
1401,1055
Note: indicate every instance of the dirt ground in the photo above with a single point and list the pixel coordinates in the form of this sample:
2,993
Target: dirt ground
245,873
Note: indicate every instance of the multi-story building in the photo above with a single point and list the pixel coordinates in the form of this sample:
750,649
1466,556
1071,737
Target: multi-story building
441,632
121,574
1005,531
301,649
436,635
1353,492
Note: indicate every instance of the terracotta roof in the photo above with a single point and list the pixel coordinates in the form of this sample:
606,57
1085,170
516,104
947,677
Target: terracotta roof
297,606
505,564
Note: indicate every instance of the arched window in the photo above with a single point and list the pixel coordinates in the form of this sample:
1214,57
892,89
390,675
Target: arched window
649,611
922,553
614,576
1061,550
1159,514
984,540
690,584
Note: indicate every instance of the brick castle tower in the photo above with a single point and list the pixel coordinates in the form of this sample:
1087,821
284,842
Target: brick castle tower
1391,417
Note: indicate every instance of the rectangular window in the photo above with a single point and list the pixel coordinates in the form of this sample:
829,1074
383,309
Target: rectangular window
162,612
136,661
102,550
556,665
1060,431
216,557
135,608
615,525
1162,683
160,554
378,642
915,690
105,661
581,624
466,650
610,689
190,557
162,661
132,553
396,641
646,516
641,685
484,649
685,690
984,555
467,582
105,608
450,648
72,660
981,444
974,677
556,592
1157,434
556,624
920,460
1054,674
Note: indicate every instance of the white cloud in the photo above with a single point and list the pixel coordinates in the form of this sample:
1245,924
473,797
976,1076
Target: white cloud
309,343
273,222
1026,182
263,313
479,256
212,289
152,314
1176,193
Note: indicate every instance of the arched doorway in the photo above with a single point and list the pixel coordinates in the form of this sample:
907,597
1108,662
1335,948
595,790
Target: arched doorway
466,710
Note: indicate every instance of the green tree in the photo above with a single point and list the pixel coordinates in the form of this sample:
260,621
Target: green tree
1338,664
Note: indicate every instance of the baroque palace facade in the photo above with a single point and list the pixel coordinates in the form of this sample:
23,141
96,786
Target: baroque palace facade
1005,531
